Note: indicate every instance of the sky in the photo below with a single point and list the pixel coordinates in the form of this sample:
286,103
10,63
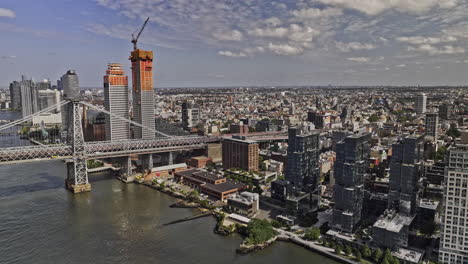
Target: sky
201,43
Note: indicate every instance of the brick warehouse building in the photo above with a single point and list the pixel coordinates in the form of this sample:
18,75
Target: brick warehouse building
212,184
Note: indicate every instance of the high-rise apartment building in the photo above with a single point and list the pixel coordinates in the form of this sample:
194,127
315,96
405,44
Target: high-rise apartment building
116,102
70,85
302,169
420,103
47,98
352,161
239,152
28,97
406,169
71,91
317,118
143,93
432,125
15,95
190,115
445,111
44,85
454,240
239,128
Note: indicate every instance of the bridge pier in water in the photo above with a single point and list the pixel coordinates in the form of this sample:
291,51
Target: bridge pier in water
147,162
77,177
77,169
125,173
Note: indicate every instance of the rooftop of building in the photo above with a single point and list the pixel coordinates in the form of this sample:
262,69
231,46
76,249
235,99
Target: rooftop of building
393,222
428,204
224,187
408,255
187,173
244,197
239,218
208,175
170,167
281,182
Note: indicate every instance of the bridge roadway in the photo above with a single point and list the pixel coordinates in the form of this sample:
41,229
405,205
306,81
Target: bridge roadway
103,149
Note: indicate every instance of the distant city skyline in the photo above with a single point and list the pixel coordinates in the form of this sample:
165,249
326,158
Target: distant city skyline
241,43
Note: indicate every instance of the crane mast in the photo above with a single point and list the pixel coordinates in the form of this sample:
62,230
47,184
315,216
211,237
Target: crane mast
135,39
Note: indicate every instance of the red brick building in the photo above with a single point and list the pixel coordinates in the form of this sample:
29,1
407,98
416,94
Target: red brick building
212,184
199,162
240,153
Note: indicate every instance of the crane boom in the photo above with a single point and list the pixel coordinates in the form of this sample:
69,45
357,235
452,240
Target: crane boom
135,39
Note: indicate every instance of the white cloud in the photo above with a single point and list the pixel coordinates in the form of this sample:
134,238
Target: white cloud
284,49
7,13
418,40
272,21
7,57
233,35
400,65
228,53
309,13
433,50
316,28
359,59
294,32
374,7
354,46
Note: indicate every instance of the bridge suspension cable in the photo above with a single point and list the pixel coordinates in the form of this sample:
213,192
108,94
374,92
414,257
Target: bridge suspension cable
30,117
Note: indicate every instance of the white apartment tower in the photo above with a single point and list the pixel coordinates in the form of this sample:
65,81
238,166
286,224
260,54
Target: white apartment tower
454,239
420,103
116,102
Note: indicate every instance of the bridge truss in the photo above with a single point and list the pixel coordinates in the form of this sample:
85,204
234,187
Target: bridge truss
19,146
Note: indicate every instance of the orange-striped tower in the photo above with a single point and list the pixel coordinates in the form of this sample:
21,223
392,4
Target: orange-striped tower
116,102
143,94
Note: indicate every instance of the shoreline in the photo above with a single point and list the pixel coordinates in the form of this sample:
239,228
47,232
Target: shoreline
244,249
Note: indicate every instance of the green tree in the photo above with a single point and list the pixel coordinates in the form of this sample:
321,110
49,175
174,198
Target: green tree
262,164
193,195
440,154
373,118
387,253
453,131
92,164
259,231
312,234
325,243
347,250
377,255
358,255
366,252
338,249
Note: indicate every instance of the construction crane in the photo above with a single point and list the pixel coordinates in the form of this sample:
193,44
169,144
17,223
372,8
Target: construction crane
135,39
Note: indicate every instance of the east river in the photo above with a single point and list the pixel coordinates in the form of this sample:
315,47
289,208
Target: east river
41,222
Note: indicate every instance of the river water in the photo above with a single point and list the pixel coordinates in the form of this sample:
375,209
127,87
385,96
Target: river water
41,222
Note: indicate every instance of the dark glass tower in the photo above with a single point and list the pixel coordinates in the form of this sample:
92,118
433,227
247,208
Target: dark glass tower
405,171
302,169
352,155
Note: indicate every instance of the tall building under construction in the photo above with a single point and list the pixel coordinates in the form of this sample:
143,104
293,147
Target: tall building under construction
116,102
143,100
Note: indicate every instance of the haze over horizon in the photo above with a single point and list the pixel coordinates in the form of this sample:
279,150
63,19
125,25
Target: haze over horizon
239,43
